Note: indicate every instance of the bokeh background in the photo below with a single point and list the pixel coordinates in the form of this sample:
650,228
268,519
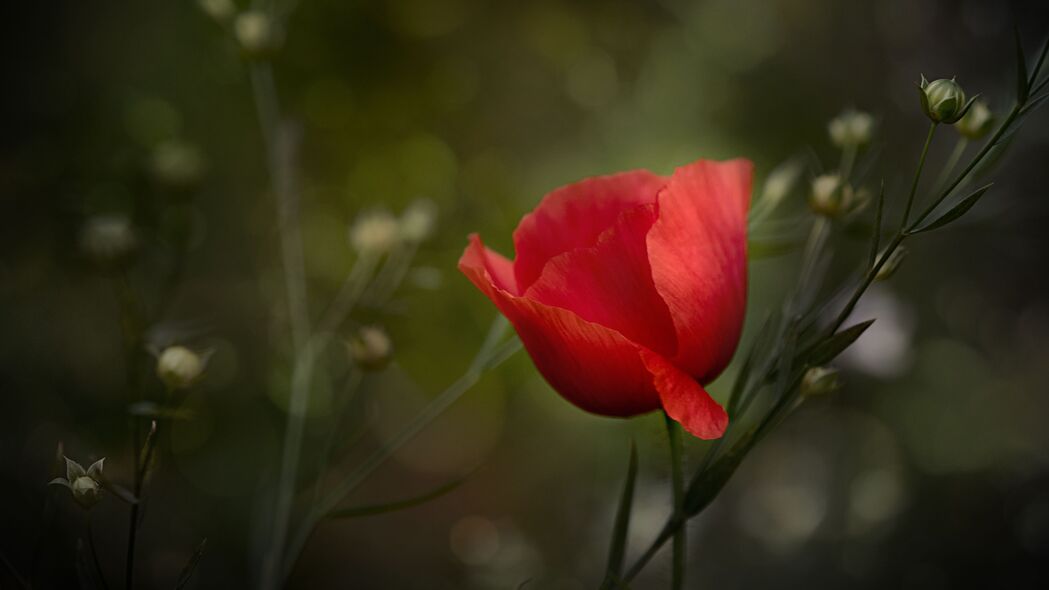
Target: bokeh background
929,470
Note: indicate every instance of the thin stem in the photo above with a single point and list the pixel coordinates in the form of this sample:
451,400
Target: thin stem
677,482
141,467
848,159
94,553
279,152
918,173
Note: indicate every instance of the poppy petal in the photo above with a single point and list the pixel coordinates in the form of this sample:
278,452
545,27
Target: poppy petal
685,400
594,367
697,249
575,215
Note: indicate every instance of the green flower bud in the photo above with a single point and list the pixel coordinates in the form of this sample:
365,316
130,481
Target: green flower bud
977,122
220,10
109,240
820,381
830,196
85,485
889,268
179,367
370,348
258,34
177,165
851,129
943,100
375,232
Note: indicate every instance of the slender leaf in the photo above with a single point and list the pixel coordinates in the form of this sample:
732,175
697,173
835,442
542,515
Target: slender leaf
1023,86
617,549
829,349
954,212
22,583
708,484
1038,63
374,509
191,565
1034,104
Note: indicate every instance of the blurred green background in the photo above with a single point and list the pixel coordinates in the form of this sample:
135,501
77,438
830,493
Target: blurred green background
929,470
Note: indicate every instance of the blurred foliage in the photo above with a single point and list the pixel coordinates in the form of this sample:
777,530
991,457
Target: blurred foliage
927,470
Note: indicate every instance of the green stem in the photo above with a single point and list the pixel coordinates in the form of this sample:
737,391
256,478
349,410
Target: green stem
677,482
952,162
918,173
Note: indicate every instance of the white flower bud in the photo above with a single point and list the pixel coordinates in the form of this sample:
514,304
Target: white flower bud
830,197
370,348
258,35
375,232
820,381
220,10
109,240
85,485
179,367
851,129
177,164
418,221
976,122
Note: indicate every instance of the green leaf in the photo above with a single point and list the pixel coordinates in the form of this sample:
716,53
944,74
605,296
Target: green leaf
1038,63
707,484
1023,86
617,548
829,349
191,565
374,509
953,213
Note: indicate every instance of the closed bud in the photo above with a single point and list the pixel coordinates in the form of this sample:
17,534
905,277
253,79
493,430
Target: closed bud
109,240
179,367
851,129
830,197
943,100
85,485
258,34
177,165
977,122
820,381
418,221
220,10
370,348
375,232
889,267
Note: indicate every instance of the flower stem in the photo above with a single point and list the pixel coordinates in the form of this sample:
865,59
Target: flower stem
918,173
677,483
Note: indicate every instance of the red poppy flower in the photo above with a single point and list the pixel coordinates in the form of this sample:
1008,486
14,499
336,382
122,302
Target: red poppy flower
628,291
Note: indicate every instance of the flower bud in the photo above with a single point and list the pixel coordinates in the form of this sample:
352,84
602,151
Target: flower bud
220,10
109,240
375,232
943,100
418,221
889,267
851,129
258,34
370,348
85,485
820,381
830,197
179,367
976,122
177,165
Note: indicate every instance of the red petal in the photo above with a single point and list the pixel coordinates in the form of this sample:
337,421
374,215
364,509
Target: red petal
592,366
573,216
697,249
684,400
610,283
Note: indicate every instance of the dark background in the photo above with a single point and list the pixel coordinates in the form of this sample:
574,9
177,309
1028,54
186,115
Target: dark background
929,470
